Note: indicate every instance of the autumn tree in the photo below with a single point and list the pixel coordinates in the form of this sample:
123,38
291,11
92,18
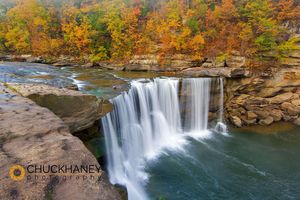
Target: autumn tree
117,30
222,28
286,10
2,28
121,21
28,28
77,31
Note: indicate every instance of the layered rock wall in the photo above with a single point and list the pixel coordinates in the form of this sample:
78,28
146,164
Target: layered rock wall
79,111
258,100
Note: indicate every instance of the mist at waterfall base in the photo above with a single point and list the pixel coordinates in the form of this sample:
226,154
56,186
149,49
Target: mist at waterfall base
160,145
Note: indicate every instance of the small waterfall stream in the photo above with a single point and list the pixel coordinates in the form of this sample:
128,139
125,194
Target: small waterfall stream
151,116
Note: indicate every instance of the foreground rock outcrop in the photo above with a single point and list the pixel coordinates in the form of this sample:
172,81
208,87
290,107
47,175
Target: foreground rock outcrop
79,111
30,134
258,100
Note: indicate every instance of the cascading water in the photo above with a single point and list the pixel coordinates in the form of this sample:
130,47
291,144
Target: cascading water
148,119
196,103
221,127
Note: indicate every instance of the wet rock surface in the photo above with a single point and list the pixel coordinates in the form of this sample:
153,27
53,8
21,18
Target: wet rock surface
19,72
30,134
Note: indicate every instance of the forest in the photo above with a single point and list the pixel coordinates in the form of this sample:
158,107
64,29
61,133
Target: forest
110,30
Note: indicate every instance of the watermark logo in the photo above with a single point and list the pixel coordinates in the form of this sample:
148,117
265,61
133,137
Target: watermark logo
17,172
34,172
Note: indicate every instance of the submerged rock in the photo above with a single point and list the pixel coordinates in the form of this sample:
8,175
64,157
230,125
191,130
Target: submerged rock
79,111
30,134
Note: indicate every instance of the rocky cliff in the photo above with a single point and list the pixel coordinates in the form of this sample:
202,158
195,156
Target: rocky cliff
33,135
264,100
78,110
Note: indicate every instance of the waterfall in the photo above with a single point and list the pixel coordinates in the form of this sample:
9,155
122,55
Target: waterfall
196,103
221,127
151,116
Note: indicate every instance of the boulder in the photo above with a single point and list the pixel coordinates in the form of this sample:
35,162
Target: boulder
276,114
249,121
79,111
291,109
32,135
296,102
247,85
88,65
269,92
281,98
251,115
241,110
255,101
267,121
236,121
241,99
262,114
33,59
297,121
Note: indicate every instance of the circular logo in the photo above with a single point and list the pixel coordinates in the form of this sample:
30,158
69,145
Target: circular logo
16,172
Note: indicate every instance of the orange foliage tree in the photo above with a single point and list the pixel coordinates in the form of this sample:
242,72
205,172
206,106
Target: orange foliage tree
118,29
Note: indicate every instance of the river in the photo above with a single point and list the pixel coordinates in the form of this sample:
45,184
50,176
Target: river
182,158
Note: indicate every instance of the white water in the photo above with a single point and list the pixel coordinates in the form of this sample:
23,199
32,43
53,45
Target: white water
196,105
221,127
147,119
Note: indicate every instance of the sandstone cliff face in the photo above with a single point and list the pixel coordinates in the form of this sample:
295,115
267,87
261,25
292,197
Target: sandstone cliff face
30,134
79,111
258,100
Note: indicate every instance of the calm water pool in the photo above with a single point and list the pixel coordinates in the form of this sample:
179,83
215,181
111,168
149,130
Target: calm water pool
243,165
